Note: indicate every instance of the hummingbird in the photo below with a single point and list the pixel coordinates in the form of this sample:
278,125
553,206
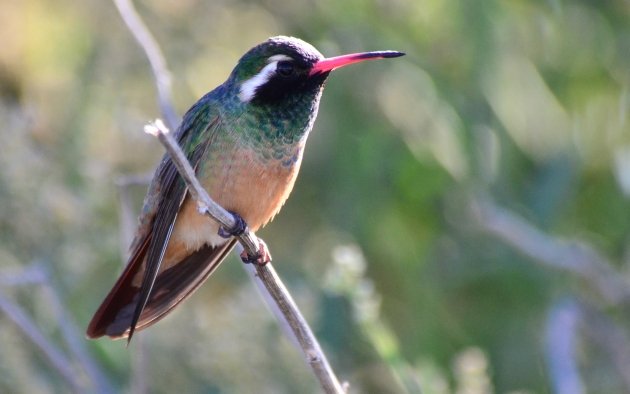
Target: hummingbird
245,140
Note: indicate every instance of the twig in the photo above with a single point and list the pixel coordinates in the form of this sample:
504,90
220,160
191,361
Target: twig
276,289
156,59
575,257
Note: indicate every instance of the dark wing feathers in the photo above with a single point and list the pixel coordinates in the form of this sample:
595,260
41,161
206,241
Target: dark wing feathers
162,229
122,294
168,207
172,287
127,307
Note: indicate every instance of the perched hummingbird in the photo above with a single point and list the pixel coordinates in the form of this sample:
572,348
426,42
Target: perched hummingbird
245,140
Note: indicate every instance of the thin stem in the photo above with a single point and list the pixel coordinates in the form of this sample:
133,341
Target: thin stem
305,337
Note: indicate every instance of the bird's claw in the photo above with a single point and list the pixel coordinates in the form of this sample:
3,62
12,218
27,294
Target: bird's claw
239,228
263,257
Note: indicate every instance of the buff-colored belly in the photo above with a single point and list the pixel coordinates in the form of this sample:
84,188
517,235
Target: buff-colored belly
242,182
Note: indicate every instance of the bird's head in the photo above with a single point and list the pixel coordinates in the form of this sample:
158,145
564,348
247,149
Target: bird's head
283,67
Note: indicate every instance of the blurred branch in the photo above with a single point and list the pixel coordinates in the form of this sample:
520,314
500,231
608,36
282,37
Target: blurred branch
37,274
583,261
267,275
156,59
561,340
32,274
566,319
612,338
29,329
75,342
574,257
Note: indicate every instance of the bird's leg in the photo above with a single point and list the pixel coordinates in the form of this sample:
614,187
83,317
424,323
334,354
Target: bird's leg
239,227
263,257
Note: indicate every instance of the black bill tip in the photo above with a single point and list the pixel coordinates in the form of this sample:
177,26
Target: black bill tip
380,55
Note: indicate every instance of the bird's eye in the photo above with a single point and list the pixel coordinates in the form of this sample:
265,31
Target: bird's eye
285,68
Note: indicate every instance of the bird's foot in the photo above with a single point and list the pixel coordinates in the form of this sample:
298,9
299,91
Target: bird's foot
239,227
263,257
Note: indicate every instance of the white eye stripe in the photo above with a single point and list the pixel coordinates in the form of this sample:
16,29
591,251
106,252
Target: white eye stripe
278,58
248,88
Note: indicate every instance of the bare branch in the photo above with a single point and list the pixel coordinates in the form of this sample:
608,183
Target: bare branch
156,59
305,337
267,275
574,257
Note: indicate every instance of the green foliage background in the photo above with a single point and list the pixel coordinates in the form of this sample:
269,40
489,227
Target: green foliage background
523,101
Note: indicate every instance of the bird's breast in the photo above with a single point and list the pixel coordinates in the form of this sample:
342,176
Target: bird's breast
253,183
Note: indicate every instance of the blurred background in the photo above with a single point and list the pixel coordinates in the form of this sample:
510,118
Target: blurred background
460,223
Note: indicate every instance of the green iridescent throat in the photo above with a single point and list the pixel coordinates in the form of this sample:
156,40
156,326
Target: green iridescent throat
275,129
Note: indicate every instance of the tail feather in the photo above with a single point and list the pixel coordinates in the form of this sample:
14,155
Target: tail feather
172,286
121,294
